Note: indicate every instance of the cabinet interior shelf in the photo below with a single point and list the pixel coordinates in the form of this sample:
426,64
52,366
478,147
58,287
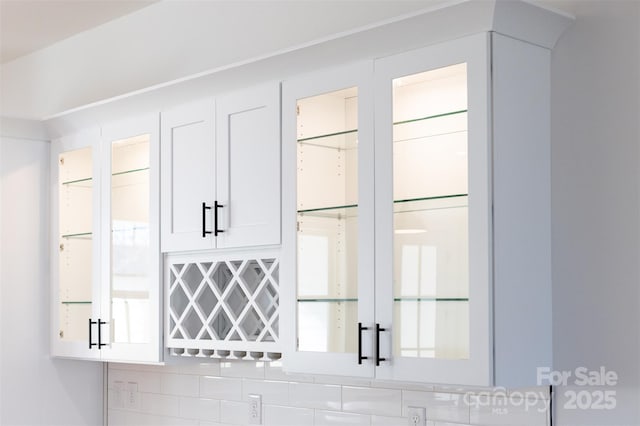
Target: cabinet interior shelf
395,299
78,236
348,139
87,235
430,299
348,210
89,179
328,300
430,117
75,302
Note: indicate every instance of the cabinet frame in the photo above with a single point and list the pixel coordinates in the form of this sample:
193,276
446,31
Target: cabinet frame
100,139
478,368
361,76
86,138
375,236
151,351
215,155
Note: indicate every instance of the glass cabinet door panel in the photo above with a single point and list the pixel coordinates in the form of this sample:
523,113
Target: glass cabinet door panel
430,193
327,197
75,171
130,243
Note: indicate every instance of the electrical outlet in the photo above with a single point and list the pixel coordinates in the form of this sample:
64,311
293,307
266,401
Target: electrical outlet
132,400
255,409
416,416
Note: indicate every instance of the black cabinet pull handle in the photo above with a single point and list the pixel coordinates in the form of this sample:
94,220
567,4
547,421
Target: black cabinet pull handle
378,330
100,344
360,329
91,345
216,206
205,207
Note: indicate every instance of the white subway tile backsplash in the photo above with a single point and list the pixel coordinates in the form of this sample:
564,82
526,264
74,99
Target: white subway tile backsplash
147,381
233,412
390,384
345,381
221,388
200,408
246,369
205,423
309,395
330,418
384,402
273,371
272,392
164,405
191,366
130,418
193,393
449,407
275,415
388,421
508,411
180,384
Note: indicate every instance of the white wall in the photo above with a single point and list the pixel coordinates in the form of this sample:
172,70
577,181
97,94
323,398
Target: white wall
34,389
595,75
170,40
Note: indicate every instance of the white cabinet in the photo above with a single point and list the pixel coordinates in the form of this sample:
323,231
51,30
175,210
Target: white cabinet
106,268
220,172
188,175
415,216
75,224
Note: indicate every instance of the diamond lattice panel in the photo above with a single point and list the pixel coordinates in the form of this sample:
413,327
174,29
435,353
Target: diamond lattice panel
230,300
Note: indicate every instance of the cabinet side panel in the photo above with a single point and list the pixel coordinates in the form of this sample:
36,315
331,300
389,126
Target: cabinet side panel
522,248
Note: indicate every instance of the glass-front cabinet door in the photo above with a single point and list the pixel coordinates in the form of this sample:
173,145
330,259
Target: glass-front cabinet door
76,250
433,214
328,221
131,261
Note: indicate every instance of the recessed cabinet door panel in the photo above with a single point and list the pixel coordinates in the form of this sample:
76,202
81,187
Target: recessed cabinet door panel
188,176
248,165
76,245
433,214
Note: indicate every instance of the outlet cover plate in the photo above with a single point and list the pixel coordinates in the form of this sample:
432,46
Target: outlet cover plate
416,416
255,409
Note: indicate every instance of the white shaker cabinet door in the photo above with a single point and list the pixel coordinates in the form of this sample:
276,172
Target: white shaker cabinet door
248,168
188,176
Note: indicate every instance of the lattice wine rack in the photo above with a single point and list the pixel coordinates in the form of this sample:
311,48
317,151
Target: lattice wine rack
227,307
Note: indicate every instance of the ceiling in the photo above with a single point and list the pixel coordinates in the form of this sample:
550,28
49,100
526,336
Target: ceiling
30,25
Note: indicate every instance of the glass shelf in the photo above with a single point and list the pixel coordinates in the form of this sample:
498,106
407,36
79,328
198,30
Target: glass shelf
78,182
451,126
347,139
126,172
430,299
430,117
328,300
75,302
89,179
87,235
407,205
79,236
